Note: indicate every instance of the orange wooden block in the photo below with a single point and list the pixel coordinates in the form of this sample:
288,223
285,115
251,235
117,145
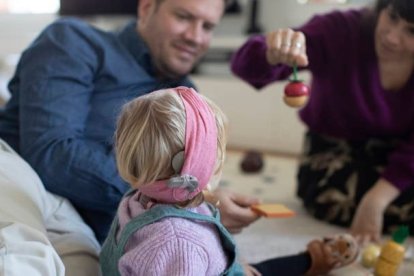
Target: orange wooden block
272,210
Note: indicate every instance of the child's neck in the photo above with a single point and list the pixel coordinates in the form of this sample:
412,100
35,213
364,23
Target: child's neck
148,202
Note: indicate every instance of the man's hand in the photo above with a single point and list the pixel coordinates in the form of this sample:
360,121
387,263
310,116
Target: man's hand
250,270
235,210
368,220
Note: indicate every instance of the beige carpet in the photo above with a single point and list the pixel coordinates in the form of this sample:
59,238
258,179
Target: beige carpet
268,238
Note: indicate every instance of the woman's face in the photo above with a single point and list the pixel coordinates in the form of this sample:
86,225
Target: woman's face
394,37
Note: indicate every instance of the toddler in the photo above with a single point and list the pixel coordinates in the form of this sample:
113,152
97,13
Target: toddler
170,147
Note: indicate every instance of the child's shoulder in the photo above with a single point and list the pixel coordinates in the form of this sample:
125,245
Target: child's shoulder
180,228
173,230
174,240
172,233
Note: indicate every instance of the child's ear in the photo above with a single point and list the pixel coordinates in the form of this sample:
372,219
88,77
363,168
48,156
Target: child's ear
177,162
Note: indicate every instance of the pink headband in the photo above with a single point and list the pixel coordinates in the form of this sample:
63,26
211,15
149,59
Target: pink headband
200,153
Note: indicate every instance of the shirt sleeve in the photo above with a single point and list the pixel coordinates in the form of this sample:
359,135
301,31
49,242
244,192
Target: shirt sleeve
55,85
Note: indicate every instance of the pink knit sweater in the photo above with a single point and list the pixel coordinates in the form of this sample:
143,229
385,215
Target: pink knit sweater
172,246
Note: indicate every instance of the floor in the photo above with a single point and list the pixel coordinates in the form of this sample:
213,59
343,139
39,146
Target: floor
269,238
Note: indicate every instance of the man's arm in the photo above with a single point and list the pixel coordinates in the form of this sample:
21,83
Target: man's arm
55,84
235,209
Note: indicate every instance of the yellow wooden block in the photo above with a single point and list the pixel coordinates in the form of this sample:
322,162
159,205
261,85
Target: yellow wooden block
273,210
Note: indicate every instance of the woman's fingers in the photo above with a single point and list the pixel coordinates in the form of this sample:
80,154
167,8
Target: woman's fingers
286,46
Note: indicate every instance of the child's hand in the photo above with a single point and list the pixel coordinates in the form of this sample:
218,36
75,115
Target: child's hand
235,210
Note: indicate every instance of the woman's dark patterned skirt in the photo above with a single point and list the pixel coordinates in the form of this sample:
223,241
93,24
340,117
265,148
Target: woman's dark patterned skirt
335,174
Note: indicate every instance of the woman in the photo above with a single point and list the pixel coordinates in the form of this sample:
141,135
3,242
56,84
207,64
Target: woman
357,167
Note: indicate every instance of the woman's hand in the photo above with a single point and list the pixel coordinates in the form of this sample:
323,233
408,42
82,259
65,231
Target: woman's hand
235,210
287,47
368,220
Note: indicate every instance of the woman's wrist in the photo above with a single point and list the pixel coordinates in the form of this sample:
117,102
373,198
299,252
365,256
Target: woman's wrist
382,193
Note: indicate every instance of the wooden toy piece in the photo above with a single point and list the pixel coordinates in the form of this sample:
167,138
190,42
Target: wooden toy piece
273,210
331,253
370,255
344,248
296,92
252,162
392,254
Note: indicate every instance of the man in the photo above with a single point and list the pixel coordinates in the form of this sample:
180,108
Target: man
71,83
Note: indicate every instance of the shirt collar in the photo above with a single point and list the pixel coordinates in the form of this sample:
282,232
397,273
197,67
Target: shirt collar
132,40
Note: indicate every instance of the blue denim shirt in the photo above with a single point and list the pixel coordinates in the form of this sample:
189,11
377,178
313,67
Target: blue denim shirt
67,91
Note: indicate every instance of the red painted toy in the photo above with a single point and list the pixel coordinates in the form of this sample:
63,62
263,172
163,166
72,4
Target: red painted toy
296,92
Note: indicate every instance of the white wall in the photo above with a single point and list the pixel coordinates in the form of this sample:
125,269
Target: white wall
258,119
289,13
280,13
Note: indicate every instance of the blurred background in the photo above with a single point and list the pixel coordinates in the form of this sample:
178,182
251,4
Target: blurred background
258,120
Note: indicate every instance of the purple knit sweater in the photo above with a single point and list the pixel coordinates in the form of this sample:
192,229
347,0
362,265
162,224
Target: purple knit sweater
347,100
172,246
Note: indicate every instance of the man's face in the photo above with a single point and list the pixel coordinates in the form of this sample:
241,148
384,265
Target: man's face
394,37
178,32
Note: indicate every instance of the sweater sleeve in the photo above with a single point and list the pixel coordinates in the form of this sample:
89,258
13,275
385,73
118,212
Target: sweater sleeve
250,64
325,34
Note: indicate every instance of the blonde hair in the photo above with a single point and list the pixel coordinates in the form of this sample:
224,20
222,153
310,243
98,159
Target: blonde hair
151,130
